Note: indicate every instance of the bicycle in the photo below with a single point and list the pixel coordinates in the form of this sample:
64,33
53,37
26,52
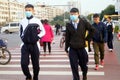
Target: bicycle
5,55
62,40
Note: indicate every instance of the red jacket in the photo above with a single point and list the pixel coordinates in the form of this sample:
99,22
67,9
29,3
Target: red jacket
48,37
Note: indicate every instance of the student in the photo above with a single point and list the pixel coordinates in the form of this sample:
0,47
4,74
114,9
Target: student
110,30
29,35
99,39
75,41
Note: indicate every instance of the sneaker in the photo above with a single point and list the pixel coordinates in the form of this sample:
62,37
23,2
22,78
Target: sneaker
96,67
111,50
102,62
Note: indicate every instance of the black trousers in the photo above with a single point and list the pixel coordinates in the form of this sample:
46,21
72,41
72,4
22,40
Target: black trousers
45,45
26,52
78,57
110,40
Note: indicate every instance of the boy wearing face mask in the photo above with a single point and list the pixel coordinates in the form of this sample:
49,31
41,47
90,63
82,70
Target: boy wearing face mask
29,35
75,41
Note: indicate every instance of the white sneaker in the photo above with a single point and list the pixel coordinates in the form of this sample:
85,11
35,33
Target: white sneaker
110,50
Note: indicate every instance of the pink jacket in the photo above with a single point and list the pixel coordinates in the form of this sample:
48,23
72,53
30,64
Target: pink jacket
48,37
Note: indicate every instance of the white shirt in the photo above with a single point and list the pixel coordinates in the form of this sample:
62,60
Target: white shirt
75,24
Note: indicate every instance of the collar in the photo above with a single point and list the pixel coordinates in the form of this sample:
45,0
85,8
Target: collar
75,22
29,17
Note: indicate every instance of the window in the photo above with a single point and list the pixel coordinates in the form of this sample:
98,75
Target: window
14,24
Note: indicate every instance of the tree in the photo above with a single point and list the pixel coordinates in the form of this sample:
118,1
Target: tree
110,10
60,19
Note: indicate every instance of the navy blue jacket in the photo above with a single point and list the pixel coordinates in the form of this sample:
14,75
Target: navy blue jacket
100,33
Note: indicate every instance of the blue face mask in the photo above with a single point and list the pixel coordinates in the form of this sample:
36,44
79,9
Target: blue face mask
28,14
73,17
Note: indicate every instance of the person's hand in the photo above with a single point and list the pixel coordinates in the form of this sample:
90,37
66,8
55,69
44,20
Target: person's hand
66,50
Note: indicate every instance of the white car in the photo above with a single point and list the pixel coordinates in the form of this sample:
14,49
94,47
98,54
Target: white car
10,27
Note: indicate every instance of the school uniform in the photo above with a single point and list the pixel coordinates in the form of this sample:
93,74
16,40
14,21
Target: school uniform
29,35
75,40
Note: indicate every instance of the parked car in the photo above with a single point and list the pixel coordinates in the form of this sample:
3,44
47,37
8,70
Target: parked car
10,27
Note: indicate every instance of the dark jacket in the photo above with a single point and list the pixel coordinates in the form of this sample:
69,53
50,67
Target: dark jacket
75,38
30,34
101,32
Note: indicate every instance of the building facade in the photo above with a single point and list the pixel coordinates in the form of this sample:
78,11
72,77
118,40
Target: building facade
11,11
76,4
47,12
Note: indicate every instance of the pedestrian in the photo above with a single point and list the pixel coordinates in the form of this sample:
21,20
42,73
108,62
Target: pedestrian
29,35
75,42
110,31
48,37
57,26
99,40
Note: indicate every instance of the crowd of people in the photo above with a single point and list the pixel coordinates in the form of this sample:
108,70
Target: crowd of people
32,31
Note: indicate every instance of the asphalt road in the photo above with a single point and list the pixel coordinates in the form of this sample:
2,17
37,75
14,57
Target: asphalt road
117,47
13,39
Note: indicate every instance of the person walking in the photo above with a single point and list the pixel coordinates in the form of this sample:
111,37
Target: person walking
110,31
57,26
48,37
29,35
75,42
99,40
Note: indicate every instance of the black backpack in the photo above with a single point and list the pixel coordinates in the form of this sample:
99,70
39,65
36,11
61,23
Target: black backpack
30,34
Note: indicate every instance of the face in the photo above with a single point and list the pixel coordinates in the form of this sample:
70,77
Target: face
108,19
74,16
29,12
96,20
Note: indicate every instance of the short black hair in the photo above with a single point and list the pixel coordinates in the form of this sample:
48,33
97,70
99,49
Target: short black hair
46,21
29,6
74,10
96,15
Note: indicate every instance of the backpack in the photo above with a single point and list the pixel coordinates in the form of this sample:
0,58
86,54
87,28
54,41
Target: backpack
109,27
30,34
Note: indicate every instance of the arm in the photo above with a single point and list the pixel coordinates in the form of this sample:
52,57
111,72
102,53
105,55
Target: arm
104,33
67,38
21,30
42,30
113,25
91,30
51,32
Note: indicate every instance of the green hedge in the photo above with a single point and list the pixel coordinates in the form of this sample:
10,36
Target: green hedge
116,29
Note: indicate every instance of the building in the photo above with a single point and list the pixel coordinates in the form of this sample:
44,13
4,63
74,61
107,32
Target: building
11,11
117,6
75,4
47,12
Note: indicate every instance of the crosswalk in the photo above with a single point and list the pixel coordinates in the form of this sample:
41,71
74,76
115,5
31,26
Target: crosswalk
50,65
55,65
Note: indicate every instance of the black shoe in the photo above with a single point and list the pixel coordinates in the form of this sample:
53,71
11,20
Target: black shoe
84,77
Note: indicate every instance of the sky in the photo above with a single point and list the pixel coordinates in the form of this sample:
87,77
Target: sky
87,6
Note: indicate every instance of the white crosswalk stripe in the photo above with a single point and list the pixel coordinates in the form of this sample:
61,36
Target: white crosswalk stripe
57,56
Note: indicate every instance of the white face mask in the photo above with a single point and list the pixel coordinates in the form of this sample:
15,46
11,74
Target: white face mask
28,14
